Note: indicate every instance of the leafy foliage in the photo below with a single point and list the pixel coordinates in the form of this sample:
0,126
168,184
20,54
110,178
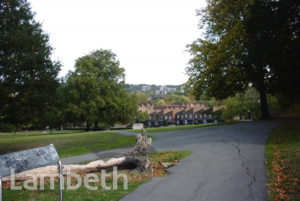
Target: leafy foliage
27,74
159,102
242,105
143,116
7,127
247,43
176,98
97,90
142,98
273,32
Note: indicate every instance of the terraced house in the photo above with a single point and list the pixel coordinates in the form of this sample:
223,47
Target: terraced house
178,114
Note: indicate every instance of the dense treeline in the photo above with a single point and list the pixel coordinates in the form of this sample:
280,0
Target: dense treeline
172,98
32,96
248,43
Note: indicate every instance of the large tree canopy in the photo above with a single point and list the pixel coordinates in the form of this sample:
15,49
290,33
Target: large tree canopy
273,33
98,91
30,93
28,77
241,40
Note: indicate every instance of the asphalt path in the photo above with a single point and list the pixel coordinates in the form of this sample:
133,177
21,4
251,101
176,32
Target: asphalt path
226,163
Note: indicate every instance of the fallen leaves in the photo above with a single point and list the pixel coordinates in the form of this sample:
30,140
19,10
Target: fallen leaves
284,147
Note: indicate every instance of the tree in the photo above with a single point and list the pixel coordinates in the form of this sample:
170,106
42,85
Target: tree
273,28
60,113
98,91
232,55
143,116
159,102
142,98
121,108
242,104
176,98
28,77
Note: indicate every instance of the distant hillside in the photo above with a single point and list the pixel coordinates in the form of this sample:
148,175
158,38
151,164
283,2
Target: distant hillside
160,95
154,90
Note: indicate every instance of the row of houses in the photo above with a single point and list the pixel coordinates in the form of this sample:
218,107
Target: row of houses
178,114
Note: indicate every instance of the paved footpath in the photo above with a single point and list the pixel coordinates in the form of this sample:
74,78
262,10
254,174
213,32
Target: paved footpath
227,163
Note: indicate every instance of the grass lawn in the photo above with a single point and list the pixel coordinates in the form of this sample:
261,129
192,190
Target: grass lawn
174,128
69,144
84,194
39,132
283,161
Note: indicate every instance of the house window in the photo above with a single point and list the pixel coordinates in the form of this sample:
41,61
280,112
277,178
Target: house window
209,115
200,115
177,116
196,116
150,117
170,118
191,116
185,115
166,117
182,116
204,115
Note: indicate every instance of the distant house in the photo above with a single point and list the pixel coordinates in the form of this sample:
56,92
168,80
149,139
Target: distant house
146,88
180,117
198,118
207,115
178,114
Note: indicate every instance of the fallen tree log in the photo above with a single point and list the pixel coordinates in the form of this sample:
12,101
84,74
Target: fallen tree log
134,159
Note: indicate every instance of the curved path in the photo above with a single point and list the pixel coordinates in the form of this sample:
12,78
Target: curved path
227,163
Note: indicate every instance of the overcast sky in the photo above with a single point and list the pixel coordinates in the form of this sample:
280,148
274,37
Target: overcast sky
148,36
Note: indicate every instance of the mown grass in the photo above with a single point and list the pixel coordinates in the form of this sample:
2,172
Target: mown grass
283,161
40,132
175,128
168,156
67,144
83,194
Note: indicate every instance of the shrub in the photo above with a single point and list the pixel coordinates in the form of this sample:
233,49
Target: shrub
7,127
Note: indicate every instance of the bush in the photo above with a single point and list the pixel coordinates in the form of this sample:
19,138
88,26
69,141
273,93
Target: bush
241,105
7,127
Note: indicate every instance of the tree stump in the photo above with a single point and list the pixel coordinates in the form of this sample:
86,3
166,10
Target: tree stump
138,155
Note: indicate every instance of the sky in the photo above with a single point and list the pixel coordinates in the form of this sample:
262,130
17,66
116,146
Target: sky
149,37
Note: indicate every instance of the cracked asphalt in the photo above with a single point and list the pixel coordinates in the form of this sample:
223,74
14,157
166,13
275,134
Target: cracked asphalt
227,163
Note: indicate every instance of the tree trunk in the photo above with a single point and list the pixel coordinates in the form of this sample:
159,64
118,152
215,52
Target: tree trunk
88,126
261,87
265,114
134,159
90,167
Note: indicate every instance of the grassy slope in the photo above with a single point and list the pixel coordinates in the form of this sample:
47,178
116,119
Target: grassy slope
283,161
134,180
67,144
39,132
174,128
